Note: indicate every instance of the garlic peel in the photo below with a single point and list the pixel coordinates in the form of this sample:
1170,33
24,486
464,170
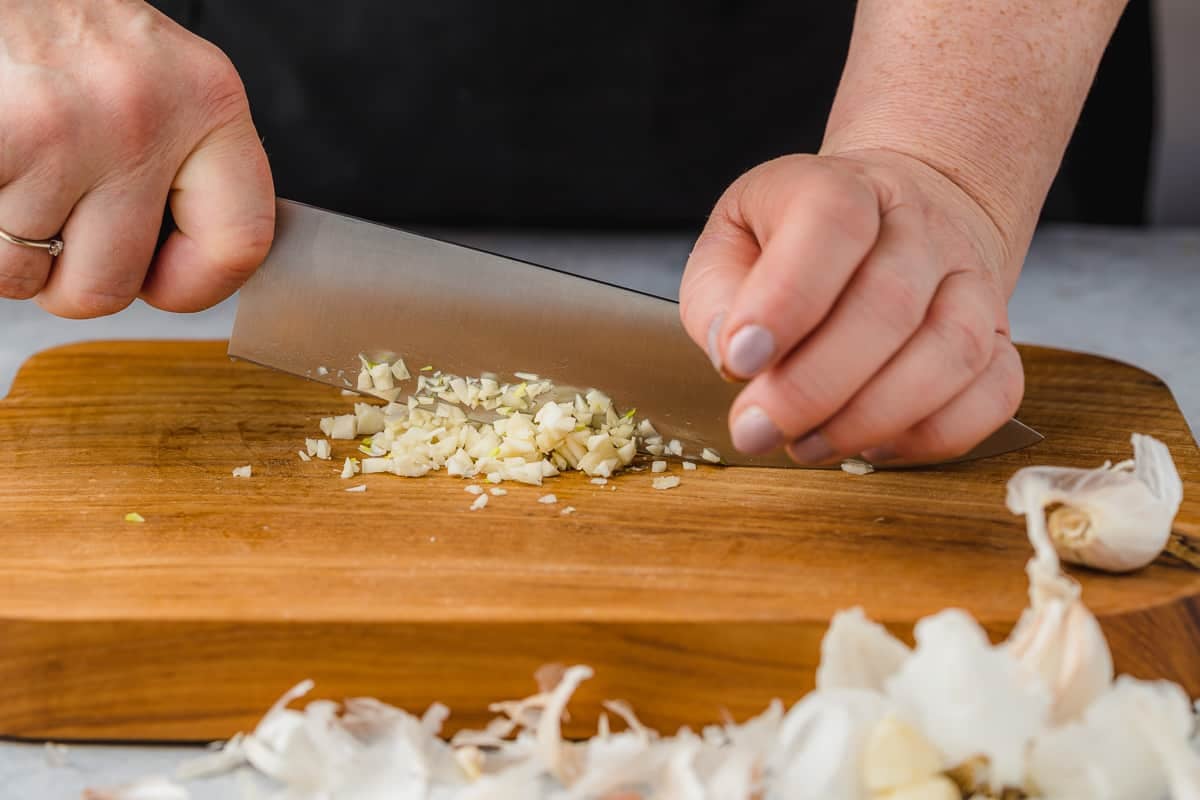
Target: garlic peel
1059,641
857,653
1115,518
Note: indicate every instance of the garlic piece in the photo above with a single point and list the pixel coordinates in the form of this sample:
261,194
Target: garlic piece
1114,518
1060,641
666,482
856,466
897,755
243,472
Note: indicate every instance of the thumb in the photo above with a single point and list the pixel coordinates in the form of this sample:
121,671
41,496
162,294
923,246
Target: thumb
223,203
722,256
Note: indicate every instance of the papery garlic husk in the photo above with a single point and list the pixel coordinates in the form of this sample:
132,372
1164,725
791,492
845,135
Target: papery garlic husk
1114,518
897,755
1060,641
1120,748
817,754
969,697
857,653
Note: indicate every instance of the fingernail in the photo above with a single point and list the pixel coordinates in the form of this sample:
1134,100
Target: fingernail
812,449
714,331
754,433
880,455
750,350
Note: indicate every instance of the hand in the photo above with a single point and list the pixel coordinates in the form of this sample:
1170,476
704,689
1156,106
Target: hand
106,108
863,296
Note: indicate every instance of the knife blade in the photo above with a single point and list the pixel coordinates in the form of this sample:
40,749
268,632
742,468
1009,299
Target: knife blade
335,286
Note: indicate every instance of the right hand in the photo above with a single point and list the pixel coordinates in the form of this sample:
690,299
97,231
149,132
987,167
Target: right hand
107,109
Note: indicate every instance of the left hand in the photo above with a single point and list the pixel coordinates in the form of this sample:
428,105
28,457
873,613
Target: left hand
863,297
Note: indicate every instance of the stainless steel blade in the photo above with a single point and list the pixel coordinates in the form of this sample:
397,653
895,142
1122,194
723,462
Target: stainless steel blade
334,286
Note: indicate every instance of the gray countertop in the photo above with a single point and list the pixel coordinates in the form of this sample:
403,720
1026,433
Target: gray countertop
1130,295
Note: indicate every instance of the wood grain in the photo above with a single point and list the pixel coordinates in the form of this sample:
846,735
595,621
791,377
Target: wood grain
707,597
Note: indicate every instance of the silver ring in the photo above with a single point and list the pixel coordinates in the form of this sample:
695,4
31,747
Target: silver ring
52,246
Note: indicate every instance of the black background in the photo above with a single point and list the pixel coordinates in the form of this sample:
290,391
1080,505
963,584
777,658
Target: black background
583,115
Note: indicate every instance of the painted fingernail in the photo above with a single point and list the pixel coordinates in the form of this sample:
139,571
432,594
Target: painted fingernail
750,350
714,331
812,449
754,433
880,455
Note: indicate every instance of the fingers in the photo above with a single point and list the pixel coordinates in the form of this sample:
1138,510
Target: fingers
819,223
879,311
966,420
108,243
716,267
223,202
33,206
951,349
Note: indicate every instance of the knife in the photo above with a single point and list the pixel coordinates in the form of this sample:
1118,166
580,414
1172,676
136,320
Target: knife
334,286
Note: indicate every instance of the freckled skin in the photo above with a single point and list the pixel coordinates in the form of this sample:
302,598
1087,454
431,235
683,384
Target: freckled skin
985,92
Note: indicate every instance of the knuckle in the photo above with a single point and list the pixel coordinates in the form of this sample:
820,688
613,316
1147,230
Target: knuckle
804,401
136,104
219,85
935,439
99,301
896,298
20,284
243,248
842,202
49,119
968,338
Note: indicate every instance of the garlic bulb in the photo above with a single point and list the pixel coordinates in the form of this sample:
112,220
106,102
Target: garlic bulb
1116,518
1059,640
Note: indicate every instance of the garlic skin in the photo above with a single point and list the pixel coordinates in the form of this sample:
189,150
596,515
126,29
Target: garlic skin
969,697
857,653
1114,518
818,747
1120,748
1060,641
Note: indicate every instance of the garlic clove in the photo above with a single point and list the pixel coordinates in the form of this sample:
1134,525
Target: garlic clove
938,787
1114,518
1059,641
857,653
897,755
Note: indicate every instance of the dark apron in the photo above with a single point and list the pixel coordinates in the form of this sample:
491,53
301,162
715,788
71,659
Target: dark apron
607,114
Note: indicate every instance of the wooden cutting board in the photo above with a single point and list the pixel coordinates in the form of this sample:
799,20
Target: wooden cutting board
709,597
